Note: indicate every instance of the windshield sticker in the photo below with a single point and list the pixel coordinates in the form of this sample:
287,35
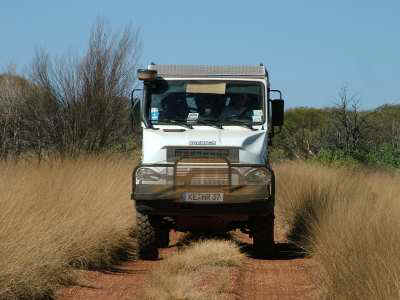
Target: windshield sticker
256,119
206,88
193,116
257,112
155,114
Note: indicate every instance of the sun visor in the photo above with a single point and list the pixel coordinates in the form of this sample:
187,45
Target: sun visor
206,88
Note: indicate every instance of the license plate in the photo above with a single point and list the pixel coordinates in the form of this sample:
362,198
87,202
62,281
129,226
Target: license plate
203,197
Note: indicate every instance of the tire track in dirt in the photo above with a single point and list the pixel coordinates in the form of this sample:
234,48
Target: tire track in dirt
123,282
284,276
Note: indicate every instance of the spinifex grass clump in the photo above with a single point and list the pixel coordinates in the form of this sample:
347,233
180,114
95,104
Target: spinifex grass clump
180,276
59,215
349,221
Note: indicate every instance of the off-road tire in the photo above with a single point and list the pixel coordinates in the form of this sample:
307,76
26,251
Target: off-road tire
263,236
163,237
147,237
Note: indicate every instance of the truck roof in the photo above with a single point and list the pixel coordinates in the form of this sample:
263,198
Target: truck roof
248,71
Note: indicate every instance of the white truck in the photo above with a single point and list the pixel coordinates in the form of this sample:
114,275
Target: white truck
205,162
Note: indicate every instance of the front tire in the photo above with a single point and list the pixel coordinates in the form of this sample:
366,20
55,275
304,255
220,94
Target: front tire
147,237
263,236
163,237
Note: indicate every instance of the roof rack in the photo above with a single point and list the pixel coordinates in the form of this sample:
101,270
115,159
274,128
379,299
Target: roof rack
253,71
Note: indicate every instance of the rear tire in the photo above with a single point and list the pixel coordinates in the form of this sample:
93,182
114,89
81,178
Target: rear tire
147,237
263,236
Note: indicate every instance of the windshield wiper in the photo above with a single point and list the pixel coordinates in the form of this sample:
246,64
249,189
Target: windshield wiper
210,122
180,123
242,123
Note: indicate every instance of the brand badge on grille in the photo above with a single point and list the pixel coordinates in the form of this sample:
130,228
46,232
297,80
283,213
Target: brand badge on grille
202,143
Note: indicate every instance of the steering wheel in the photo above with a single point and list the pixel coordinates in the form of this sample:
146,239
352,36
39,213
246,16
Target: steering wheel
192,109
243,114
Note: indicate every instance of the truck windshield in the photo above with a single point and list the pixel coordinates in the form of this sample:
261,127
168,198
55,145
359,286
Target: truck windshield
205,102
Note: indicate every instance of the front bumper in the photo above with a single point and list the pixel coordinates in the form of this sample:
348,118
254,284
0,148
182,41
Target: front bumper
237,194
171,208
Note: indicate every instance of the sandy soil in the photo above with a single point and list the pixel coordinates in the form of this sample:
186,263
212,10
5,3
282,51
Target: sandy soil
284,276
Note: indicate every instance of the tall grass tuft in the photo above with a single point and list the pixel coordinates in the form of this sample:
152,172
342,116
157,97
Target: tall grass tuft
349,221
60,215
182,275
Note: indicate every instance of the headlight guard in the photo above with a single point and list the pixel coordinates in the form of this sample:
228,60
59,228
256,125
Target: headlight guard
258,176
152,175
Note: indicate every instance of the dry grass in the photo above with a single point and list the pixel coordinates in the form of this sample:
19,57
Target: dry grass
59,215
349,221
183,276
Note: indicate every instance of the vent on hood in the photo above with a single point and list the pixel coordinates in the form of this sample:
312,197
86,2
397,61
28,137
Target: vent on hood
177,153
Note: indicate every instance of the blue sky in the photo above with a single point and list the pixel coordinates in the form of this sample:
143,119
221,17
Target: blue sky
311,48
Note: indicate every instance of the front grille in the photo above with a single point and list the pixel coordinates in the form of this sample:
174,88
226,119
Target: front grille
175,153
207,175
208,181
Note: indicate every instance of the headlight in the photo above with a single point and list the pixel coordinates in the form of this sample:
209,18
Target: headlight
149,176
258,177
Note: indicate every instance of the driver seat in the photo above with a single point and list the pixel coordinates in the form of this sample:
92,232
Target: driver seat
175,106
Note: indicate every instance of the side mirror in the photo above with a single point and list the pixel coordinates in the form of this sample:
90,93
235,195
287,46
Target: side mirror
135,109
278,109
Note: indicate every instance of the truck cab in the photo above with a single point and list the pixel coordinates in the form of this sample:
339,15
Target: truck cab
205,162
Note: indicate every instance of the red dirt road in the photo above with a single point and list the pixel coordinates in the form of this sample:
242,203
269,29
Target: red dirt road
284,276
